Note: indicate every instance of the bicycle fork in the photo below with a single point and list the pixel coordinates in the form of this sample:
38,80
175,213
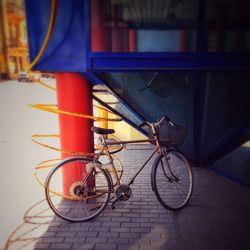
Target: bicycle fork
167,158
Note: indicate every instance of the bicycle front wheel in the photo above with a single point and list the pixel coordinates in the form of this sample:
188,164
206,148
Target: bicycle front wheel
78,190
172,180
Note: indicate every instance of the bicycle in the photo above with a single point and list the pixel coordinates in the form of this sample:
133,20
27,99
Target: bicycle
90,192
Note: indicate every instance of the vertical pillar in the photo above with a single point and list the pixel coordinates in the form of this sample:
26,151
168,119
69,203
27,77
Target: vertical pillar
18,66
116,30
18,34
182,41
11,36
74,94
221,26
99,33
125,37
104,114
5,62
132,40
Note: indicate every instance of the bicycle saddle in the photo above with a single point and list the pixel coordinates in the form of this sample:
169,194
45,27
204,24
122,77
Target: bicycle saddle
102,131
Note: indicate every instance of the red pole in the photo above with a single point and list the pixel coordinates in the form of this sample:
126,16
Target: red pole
74,94
132,40
182,41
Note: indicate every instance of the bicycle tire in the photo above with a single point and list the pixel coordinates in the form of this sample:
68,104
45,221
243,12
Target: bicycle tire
83,199
164,184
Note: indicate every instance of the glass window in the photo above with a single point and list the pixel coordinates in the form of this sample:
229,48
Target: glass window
143,26
227,25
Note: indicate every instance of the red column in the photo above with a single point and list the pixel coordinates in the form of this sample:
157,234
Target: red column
74,94
182,41
132,40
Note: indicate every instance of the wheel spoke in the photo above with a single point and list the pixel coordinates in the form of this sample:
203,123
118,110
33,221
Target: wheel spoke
82,200
172,194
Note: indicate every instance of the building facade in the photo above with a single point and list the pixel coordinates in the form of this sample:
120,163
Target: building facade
13,38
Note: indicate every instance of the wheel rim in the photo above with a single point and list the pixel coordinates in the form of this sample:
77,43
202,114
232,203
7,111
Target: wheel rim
81,199
173,189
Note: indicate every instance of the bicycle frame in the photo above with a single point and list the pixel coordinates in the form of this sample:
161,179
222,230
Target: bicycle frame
105,151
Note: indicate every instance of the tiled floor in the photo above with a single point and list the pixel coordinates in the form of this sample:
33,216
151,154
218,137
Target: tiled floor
216,218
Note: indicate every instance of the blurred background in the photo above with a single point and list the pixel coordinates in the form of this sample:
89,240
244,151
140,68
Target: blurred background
13,39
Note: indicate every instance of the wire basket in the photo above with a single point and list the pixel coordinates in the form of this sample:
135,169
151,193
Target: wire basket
169,133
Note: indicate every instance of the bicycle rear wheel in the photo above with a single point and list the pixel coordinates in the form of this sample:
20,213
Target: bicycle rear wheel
77,190
172,180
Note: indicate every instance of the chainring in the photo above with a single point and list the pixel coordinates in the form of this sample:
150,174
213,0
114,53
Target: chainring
123,192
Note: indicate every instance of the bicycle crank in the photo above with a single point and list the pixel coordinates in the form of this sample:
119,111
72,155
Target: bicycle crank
122,193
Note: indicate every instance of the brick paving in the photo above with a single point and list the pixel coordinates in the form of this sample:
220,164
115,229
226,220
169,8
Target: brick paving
217,217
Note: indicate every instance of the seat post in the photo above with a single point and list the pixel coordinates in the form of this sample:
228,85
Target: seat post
104,137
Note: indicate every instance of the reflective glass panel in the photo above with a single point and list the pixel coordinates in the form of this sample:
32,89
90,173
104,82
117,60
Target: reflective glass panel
227,25
143,25
103,93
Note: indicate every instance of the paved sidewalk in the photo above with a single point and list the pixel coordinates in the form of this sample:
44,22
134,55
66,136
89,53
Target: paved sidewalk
217,217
